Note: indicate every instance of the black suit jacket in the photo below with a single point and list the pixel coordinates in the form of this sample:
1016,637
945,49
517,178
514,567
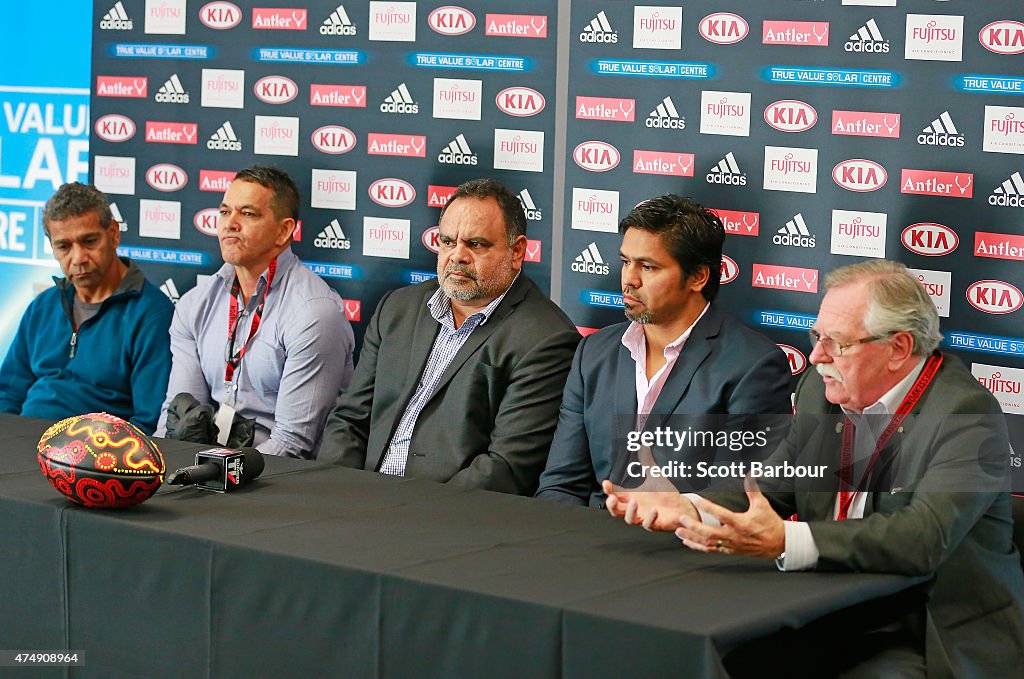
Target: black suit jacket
489,422
725,368
938,505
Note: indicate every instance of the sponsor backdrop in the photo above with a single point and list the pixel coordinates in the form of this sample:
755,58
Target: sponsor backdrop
377,109
44,140
822,133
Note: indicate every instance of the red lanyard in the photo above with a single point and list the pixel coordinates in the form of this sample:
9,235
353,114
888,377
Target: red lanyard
234,358
846,497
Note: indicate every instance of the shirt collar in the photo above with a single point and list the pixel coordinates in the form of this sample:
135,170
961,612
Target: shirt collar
891,400
285,261
635,340
440,306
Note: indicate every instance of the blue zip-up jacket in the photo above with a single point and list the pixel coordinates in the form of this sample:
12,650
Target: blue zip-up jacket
118,361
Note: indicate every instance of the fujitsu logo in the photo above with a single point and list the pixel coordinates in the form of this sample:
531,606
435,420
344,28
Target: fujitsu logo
275,89
594,206
724,28
156,215
386,233
933,289
1003,37
994,297
656,23
723,109
220,15
790,115
1007,125
162,11
995,384
451,20
206,221
520,101
859,175
331,184
115,128
787,164
856,228
166,177
114,171
392,192
930,32
596,156
222,84
729,271
930,240
276,131
391,17
456,94
333,139
517,145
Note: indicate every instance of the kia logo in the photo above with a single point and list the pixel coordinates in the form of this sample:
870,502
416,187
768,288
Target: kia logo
451,20
723,28
520,101
431,239
797,360
206,220
392,192
994,297
596,156
730,270
275,89
333,139
166,177
1003,37
930,240
859,175
790,115
115,127
220,16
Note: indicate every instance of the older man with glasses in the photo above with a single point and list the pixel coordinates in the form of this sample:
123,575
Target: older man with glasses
917,484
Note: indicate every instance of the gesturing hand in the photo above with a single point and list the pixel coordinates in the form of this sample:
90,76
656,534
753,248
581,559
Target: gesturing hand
759,531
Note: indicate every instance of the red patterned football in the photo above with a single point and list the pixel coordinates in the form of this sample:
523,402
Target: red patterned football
99,460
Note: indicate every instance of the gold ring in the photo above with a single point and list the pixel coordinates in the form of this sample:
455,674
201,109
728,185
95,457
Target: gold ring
718,545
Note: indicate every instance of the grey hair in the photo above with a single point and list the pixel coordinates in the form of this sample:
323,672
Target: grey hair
74,200
896,301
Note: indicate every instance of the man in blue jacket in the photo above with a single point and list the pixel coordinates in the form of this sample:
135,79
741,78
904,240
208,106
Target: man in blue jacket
98,340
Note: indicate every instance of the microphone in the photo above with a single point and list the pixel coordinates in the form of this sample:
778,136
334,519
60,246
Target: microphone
220,469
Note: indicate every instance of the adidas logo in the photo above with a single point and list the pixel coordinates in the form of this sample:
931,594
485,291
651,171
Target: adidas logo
599,30
399,101
116,214
727,172
170,290
332,237
942,132
665,116
172,92
867,39
338,23
1010,193
457,153
224,139
116,19
590,261
529,207
795,233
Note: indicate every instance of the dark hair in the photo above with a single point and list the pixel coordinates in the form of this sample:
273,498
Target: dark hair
76,199
285,201
511,208
691,233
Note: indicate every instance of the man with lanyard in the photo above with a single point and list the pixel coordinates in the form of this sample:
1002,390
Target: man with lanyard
98,339
918,477
263,338
681,362
459,379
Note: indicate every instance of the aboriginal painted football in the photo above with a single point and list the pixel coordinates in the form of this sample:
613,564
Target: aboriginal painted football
99,460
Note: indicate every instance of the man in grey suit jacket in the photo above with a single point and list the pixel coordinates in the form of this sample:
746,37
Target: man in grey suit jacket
917,479
679,363
459,379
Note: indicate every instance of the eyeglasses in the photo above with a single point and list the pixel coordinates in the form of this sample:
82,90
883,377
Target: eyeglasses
835,349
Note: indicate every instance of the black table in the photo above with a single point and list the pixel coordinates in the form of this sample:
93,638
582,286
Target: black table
330,572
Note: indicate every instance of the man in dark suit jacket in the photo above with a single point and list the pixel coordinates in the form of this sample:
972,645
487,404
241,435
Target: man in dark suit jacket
926,495
459,379
679,363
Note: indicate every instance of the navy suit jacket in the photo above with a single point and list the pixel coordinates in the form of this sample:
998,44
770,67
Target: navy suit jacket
725,368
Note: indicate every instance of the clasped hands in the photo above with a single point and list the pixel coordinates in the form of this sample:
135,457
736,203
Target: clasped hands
657,506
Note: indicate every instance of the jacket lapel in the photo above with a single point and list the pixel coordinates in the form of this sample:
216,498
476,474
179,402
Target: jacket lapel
695,352
623,412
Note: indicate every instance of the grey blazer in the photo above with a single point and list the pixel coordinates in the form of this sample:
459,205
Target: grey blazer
490,420
725,368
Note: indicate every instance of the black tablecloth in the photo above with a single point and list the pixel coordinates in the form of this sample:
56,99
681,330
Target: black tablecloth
313,571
